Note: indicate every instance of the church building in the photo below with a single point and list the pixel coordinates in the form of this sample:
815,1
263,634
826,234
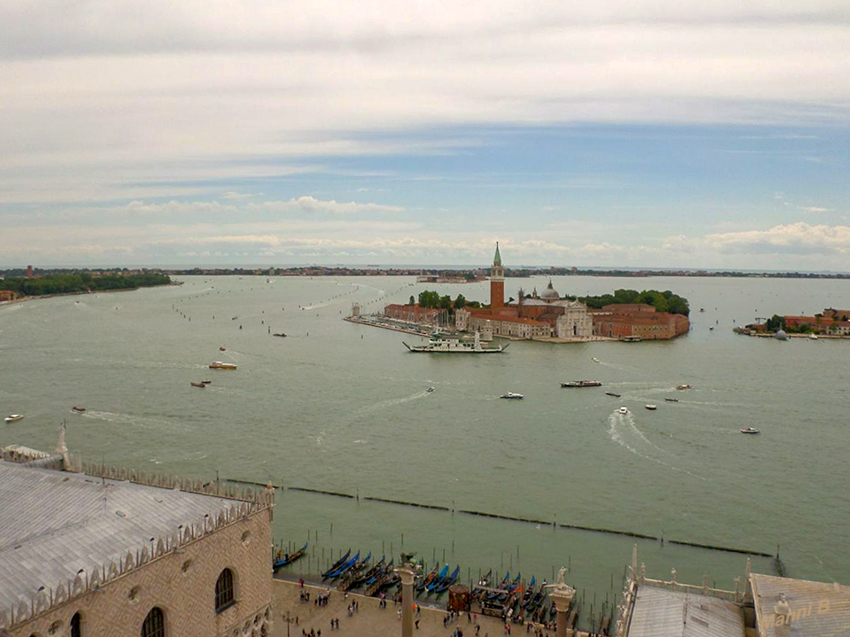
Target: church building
543,316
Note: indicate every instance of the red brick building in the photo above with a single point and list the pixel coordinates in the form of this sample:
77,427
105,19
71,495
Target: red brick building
640,320
7,295
411,313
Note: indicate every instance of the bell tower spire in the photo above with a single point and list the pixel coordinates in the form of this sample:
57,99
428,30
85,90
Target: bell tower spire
497,282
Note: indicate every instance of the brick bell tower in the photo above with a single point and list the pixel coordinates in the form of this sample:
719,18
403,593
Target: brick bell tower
497,282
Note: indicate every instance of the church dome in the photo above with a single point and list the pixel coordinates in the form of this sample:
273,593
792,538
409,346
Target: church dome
550,293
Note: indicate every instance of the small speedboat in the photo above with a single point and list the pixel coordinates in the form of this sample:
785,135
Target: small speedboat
512,396
14,417
623,410
222,349
78,410
813,337
610,393
671,400
206,382
430,389
220,365
750,430
281,334
651,407
594,359
683,386
197,384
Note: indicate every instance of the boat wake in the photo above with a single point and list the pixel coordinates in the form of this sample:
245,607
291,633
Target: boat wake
139,421
623,430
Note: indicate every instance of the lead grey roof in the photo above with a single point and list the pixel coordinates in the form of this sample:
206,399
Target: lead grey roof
54,523
817,609
664,613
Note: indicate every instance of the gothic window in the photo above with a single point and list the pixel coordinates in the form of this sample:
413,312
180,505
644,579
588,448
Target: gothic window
154,624
76,626
224,597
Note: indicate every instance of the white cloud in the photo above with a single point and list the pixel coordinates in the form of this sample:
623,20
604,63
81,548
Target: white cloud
795,239
310,204
815,209
130,85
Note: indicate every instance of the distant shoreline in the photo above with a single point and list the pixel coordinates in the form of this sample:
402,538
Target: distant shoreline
84,293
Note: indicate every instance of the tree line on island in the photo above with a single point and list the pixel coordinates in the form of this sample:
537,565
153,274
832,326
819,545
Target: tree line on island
71,282
662,301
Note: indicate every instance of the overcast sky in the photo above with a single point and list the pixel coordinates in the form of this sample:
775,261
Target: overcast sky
662,133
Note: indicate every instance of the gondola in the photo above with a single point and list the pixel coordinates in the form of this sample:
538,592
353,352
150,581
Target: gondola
444,585
425,581
337,564
286,559
436,581
342,569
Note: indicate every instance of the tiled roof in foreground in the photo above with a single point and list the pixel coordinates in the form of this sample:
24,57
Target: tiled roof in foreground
53,523
817,609
659,612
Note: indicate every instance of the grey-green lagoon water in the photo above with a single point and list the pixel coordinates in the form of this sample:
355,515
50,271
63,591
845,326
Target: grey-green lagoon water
345,409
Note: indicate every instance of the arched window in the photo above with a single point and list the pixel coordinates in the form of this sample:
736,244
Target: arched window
76,625
154,624
224,591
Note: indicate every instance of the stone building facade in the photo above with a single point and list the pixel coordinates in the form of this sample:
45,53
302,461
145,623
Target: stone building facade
537,317
111,552
638,320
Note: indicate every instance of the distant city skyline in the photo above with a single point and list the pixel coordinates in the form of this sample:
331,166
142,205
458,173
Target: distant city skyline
622,134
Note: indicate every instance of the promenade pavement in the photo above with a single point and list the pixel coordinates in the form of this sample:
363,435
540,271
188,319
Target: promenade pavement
370,620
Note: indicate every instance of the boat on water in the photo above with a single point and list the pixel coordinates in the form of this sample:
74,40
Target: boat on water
623,410
220,365
813,337
443,586
14,417
429,390
582,383
197,384
512,396
452,345
683,387
284,559
78,410
206,382
280,334
337,564
671,400
437,579
595,360
222,349
750,430
610,393
651,407
630,339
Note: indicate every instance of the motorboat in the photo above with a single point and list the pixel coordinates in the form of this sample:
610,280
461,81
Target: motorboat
813,337
222,349
610,393
750,430
594,359
14,417
281,334
430,389
623,410
651,407
78,410
220,365
683,387
512,396
197,384
206,382
582,383
671,400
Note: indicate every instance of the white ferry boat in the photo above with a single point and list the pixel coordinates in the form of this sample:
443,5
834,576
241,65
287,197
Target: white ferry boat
453,345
